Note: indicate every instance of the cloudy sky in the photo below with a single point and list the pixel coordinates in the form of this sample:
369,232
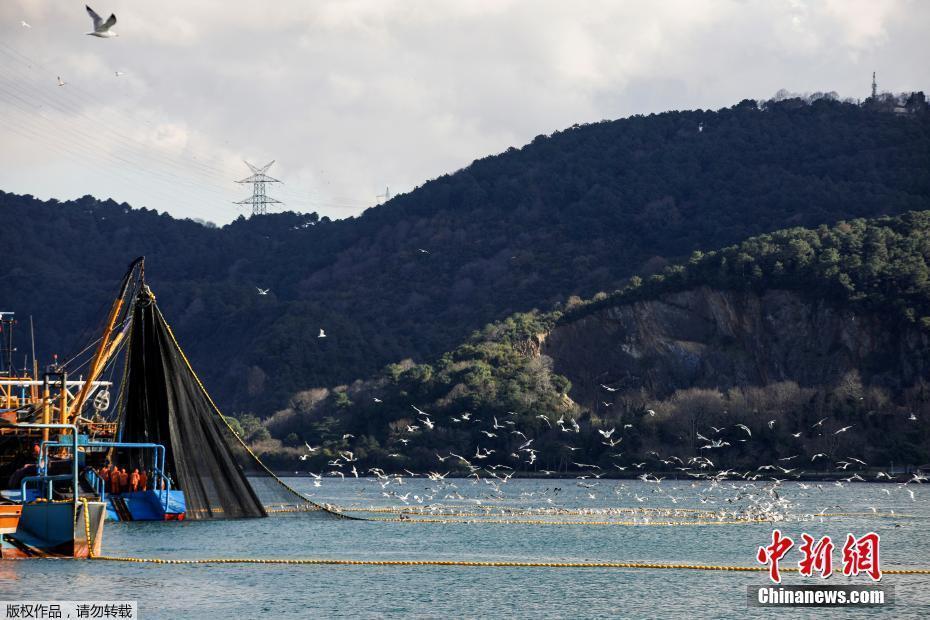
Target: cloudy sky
352,96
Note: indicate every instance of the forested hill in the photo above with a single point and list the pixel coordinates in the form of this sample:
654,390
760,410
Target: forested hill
573,213
794,334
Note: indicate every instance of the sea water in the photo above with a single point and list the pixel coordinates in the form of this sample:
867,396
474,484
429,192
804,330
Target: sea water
243,591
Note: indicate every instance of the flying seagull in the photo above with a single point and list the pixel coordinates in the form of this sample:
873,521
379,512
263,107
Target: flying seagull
119,73
25,24
101,28
262,291
61,82
322,333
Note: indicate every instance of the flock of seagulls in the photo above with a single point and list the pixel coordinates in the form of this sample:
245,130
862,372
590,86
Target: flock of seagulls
755,493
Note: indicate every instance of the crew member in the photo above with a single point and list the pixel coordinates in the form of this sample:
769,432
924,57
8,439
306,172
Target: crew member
123,480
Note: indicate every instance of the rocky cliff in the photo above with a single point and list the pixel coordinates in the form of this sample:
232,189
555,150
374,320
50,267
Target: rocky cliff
708,338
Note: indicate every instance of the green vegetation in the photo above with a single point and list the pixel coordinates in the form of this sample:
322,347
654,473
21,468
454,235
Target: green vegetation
570,214
878,266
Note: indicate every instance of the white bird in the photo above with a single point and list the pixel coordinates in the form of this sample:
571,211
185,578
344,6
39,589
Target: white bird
101,28
422,251
428,423
311,448
745,428
651,412
842,430
61,82
607,434
24,24
377,400
261,291
122,73
608,388
819,423
322,333
913,417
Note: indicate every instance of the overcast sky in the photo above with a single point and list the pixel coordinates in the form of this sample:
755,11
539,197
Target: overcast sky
352,96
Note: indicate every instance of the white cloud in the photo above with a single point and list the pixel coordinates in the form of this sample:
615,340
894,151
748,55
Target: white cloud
352,95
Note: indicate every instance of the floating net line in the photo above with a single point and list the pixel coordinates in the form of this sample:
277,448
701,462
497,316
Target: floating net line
163,401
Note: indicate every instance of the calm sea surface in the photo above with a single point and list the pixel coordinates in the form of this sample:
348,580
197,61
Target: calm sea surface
250,591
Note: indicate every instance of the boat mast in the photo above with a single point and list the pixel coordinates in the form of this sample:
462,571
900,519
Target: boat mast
106,348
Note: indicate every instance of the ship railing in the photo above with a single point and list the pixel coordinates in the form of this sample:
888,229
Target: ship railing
158,473
47,480
74,465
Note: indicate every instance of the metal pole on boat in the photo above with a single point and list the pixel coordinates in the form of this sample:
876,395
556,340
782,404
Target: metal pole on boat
46,409
64,399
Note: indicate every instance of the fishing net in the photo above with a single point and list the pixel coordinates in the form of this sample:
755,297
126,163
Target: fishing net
163,402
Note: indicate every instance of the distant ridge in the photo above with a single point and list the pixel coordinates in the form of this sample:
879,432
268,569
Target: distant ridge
573,213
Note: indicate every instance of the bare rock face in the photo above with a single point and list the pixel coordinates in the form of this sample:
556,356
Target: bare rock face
721,339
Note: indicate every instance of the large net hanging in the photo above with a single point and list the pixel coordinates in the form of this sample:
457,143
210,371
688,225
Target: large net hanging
164,402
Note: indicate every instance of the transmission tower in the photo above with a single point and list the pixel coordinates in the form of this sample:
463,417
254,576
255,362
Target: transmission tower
386,195
259,200
874,86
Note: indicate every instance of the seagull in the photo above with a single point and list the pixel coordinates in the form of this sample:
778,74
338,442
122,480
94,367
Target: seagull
61,82
842,430
608,388
913,417
377,400
101,28
422,251
25,24
745,428
322,333
820,423
122,73
651,412
261,291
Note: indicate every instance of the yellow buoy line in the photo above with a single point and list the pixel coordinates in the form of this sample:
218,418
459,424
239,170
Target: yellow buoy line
470,563
494,521
482,564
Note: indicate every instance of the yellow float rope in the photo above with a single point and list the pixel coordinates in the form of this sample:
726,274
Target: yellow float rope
487,564
566,522
90,543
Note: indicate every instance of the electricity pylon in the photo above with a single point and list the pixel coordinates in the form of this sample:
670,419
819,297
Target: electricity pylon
259,200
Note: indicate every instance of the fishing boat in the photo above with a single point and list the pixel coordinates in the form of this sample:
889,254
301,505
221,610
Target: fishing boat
72,456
